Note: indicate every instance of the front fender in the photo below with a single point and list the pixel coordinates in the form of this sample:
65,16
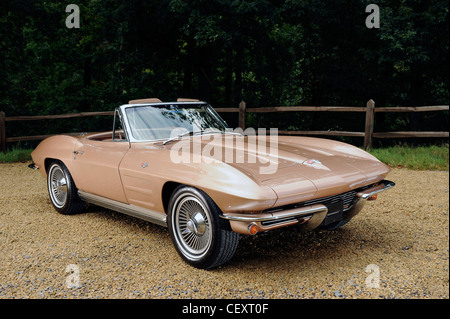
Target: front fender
231,189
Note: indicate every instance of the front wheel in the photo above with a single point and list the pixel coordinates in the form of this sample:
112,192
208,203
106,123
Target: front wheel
199,235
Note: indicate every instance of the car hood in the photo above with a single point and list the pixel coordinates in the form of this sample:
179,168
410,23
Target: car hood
300,167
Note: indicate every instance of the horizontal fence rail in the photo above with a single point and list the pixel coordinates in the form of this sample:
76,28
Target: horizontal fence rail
370,110
368,133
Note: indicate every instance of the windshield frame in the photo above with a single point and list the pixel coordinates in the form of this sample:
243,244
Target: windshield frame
127,126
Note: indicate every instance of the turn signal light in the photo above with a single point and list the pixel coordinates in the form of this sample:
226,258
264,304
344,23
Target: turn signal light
252,229
373,197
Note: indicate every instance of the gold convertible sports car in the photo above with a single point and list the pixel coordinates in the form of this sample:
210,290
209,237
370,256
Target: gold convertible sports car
177,164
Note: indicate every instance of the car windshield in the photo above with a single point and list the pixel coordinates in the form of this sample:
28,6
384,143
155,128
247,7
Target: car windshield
163,121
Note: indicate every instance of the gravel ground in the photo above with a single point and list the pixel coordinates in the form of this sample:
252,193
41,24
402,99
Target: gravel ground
397,247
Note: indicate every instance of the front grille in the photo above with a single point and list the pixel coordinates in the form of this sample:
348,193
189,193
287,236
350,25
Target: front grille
345,200
336,204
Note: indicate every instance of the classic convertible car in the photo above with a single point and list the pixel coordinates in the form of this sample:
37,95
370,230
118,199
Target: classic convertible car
147,167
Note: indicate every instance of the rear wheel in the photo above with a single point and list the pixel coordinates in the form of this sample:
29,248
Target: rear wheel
199,235
62,191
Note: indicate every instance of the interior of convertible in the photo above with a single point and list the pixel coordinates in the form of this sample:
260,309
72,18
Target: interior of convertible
107,136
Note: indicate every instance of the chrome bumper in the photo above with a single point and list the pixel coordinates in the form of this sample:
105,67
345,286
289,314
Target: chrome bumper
310,216
382,186
367,195
246,224
289,213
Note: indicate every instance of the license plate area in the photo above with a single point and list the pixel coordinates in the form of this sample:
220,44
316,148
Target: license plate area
335,212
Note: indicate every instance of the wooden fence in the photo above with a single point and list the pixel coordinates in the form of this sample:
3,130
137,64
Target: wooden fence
370,111
368,134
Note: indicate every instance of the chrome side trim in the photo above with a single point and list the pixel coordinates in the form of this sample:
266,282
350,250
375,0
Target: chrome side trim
294,212
131,210
382,186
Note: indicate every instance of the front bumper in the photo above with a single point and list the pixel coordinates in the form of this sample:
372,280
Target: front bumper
370,192
310,216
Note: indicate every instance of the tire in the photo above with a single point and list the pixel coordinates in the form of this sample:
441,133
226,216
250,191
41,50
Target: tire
62,190
199,235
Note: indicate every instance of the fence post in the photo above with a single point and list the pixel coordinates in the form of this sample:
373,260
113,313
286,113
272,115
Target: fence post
242,115
2,132
369,124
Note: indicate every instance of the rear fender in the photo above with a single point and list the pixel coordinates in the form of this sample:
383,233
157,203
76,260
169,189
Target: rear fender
58,147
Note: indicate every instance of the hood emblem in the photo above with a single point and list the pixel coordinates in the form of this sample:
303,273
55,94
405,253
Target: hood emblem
144,165
312,162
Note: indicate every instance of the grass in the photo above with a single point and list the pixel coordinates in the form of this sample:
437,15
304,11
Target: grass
16,155
418,158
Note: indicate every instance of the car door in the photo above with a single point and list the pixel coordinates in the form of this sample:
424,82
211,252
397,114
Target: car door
139,170
96,167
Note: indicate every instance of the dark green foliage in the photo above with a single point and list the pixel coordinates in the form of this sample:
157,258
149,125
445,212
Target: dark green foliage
265,52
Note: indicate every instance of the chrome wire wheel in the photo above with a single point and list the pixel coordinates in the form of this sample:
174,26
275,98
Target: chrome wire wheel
57,185
199,235
192,226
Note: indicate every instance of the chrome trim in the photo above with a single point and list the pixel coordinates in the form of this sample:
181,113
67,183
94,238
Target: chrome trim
382,186
57,185
131,210
294,212
312,215
126,124
33,166
127,127
191,223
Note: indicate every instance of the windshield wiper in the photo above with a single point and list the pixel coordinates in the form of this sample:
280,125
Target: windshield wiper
196,132
230,132
185,134
178,136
